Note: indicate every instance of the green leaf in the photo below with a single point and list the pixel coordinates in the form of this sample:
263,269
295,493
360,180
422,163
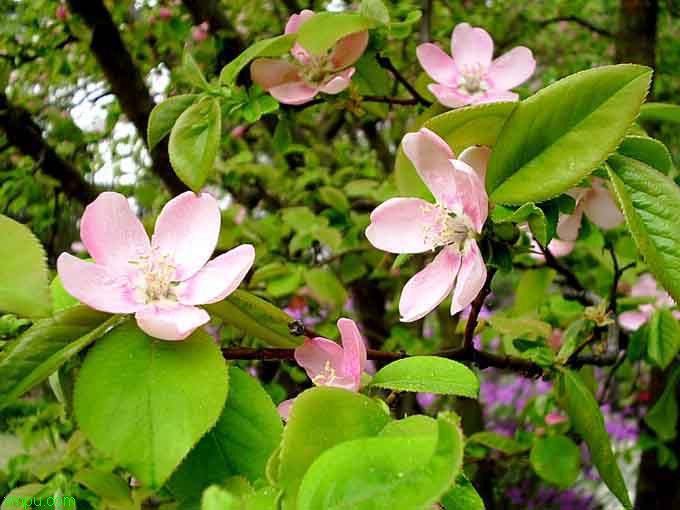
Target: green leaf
402,29
496,441
23,272
556,459
400,471
194,142
587,420
376,10
191,73
256,317
660,112
372,79
61,300
541,151
460,128
218,498
111,488
430,374
145,402
320,33
462,496
572,338
648,150
325,287
247,432
520,327
531,290
43,348
649,201
334,198
319,419
663,338
272,47
164,115
662,418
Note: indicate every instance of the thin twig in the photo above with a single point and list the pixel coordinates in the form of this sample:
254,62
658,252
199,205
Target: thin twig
386,63
475,308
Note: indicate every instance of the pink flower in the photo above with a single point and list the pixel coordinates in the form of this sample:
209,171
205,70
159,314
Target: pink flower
62,12
328,364
555,419
470,76
646,286
200,32
413,225
598,205
165,13
161,280
238,131
297,82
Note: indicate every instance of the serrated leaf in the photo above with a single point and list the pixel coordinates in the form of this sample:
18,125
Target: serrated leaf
518,327
462,496
108,486
375,9
164,115
194,142
663,416
587,420
23,272
541,151
663,340
556,459
650,201
145,402
430,374
272,47
334,198
320,33
648,150
325,287
191,72
496,441
660,112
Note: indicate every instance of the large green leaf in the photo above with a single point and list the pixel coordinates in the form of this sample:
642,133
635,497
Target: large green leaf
146,402
406,468
164,115
430,374
561,134
650,202
320,33
23,272
663,416
272,47
461,128
587,420
256,317
33,356
660,112
556,459
246,434
663,338
648,150
319,419
194,142
462,496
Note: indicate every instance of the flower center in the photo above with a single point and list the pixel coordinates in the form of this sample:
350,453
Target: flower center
326,377
472,81
154,284
316,70
448,229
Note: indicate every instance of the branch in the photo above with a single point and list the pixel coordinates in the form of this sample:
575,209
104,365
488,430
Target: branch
386,63
580,293
390,100
23,133
579,21
475,308
126,81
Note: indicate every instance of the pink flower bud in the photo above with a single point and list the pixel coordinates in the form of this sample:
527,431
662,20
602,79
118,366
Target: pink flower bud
62,12
239,131
198,34
555,418
165,13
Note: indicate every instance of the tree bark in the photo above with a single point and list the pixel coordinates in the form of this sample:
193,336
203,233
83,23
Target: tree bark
636,40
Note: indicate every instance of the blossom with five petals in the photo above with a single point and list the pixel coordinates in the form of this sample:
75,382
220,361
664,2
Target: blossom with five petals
299,81
329,364
469,76
161,280
413,225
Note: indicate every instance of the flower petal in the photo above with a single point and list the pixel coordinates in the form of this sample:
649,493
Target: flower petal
560,248
449,96
354,350
471,47
171,323
495,96
633,319
95,285
338,83
432,158
600,207
111,232
322,359
569,225
477,157
284,408
471,278
293,93
437,64
470,194
430,286
402,225
293,25
219,277
270,72
511,68
348,49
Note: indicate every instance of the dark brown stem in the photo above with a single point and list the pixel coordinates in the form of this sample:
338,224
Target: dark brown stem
580,293
475,308
386,63
410,101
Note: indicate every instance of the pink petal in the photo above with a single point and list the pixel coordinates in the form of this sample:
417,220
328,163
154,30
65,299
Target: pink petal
219,277
338,83
477,157
471,278
469,194
494,96
432,158
99,287
293,25
323,360
111,232
293,93
437,64
600,207
187,228
569,225
270,72
402,225
284,408
429,287
512,68
471,47
633,319
449,96
171,323
348,49
354,351
560,248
